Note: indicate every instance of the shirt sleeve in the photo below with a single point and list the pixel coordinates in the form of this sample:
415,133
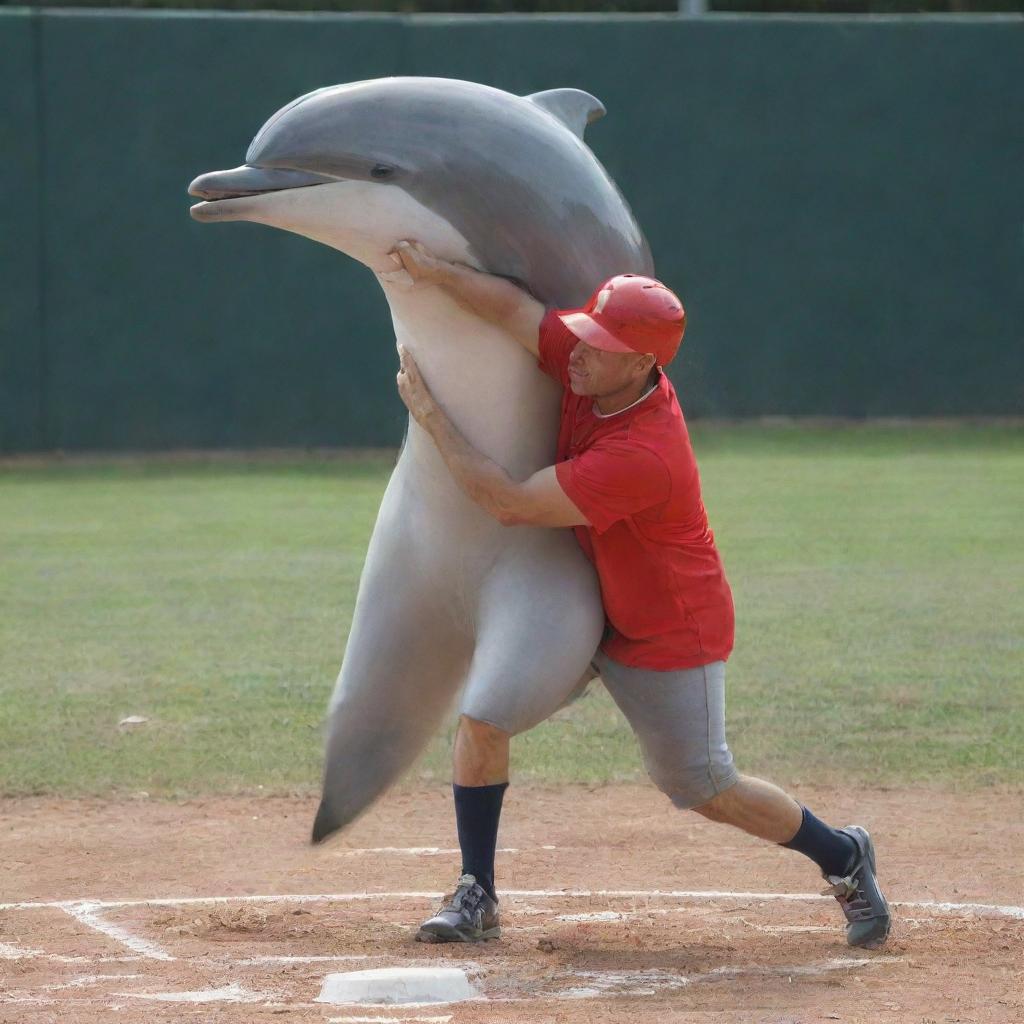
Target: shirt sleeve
555,344
614,481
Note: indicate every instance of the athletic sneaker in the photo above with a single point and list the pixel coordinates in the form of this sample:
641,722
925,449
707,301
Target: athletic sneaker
867,914
469,916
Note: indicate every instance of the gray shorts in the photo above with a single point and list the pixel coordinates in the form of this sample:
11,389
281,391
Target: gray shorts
678,718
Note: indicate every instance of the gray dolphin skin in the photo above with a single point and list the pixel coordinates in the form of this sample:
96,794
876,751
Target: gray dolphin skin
450,603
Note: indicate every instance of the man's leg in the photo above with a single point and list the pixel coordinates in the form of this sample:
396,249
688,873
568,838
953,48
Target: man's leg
479,781
757,807
846,856
765,811
480,778
679,721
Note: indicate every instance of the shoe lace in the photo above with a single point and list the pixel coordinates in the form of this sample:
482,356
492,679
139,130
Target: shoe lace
846,887
467,894
852,897
841,887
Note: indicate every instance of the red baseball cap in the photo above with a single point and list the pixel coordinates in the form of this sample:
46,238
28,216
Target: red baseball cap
630,313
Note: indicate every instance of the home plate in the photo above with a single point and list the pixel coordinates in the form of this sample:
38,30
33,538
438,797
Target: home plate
386,985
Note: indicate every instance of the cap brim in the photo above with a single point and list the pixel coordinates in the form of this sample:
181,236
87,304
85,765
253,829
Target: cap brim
590,331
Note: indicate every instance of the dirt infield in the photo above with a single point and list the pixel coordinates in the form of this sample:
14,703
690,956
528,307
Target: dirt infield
616,907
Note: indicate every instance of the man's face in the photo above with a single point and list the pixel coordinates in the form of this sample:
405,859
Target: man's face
592,371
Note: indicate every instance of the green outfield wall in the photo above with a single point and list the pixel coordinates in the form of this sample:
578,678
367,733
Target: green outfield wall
838,200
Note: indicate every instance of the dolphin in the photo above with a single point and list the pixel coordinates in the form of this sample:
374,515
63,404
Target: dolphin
450,602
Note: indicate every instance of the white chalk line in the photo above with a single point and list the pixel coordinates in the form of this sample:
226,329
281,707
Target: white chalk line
388,1020
75,907
616,916
417,851
836,964
88,914
88,980
620,983
233,993
9,952
187,901
650,982
597,984
255,961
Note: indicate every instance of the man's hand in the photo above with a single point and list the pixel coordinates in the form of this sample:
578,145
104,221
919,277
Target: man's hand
538,501
413,389
419,262
491,298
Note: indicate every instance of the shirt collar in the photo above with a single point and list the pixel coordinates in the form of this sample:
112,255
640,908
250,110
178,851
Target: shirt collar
632,405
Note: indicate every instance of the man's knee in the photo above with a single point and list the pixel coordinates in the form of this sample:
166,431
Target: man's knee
717,807
480,757
480,741
481,733
703,789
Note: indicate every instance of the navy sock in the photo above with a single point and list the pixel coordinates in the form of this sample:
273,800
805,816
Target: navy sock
477,812
829,848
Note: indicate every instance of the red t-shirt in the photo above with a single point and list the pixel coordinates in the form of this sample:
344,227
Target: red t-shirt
634,476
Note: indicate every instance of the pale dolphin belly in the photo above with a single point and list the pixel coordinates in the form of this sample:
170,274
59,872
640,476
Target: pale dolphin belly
530,597
450,599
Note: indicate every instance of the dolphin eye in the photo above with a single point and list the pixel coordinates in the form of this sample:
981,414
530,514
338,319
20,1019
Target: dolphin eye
381,171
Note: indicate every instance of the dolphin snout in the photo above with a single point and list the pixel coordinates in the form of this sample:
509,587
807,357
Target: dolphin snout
244,181
209,186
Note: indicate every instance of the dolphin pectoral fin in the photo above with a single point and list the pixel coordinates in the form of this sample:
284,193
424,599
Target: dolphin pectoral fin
573,107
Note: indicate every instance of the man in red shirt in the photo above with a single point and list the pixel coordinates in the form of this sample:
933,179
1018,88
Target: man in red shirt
625,478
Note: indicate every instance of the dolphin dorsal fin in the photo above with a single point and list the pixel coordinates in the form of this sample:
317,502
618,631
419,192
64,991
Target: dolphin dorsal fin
573,107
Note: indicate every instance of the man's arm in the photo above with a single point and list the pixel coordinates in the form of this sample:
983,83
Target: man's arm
538,501
491,298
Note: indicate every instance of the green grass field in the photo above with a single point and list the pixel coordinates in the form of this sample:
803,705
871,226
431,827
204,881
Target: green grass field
878,574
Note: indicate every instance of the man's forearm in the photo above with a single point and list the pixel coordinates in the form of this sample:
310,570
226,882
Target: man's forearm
484,481
540,500
489,297
486,296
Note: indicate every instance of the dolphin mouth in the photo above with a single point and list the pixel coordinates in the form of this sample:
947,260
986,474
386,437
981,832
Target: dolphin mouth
217,188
